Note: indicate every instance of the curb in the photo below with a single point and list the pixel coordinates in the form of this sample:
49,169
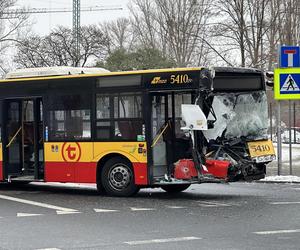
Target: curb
279,182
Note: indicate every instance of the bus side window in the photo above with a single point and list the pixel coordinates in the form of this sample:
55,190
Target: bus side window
103,113
119,116
129,129
128,116
70,117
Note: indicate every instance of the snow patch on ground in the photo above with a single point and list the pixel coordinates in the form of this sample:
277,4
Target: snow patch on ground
281,178
286,155
286,145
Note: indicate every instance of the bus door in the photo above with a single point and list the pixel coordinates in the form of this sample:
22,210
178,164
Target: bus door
169,142
23,143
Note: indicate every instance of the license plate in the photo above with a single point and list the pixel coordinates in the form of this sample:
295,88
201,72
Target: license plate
261,148
265,158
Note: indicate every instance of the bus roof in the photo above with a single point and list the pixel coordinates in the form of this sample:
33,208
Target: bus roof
236,70
90,73
228,79
52,71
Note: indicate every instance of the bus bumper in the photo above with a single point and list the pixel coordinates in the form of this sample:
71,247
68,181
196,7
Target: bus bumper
213,169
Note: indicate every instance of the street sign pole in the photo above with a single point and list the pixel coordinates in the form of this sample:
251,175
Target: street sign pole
286,87
290,136
278,120
279,151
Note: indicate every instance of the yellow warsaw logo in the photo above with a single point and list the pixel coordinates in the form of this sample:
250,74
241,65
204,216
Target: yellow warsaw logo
155,80
158,80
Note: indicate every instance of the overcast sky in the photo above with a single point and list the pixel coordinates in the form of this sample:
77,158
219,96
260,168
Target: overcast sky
43,23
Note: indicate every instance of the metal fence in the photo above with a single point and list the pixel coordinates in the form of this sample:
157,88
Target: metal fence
289,159
289,113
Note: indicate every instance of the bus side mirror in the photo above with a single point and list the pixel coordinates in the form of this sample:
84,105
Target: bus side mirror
269,78
206,79
193,117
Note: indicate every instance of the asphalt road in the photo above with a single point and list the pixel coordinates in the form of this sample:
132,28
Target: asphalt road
206,216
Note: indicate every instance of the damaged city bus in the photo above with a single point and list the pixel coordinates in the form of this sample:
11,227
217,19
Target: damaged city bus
120,130
240,131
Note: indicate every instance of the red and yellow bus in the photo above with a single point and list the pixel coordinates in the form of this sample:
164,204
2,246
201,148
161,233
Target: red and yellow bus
120,130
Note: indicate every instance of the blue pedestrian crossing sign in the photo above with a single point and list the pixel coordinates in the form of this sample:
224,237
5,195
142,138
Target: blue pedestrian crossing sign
287,84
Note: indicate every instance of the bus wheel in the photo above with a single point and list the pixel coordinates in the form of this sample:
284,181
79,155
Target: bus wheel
100,188
19,183
117,178
176,188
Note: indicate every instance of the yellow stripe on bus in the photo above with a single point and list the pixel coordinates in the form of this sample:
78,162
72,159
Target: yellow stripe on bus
148,71
1,152
93,151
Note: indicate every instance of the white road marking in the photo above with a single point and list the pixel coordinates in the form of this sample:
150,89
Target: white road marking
143,242
59,212
285,202
212,204
27,215
48,249
278,232
175,207
38,204
99,210
141,209
208,205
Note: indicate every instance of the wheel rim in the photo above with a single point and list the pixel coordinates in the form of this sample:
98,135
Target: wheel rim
119,176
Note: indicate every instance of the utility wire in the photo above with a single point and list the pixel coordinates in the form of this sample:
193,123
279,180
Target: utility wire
14,13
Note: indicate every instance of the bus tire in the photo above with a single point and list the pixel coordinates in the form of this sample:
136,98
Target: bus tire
100,188
19,183
117,178
175,188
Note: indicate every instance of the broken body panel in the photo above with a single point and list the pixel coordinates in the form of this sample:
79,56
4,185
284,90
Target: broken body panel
240,131
237,147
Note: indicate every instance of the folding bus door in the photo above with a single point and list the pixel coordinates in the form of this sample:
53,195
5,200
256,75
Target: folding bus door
169,142
22,139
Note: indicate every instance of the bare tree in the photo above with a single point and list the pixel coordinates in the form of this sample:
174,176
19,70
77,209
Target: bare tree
176,28
256,29
144,25
284,27
231,27
56,49
243,28
11,24
272,36
119,34
290,20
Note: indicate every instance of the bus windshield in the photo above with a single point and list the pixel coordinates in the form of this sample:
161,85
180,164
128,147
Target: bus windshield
240,115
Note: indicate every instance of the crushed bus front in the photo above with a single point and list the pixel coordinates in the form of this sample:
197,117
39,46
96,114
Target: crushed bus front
236,147
240,133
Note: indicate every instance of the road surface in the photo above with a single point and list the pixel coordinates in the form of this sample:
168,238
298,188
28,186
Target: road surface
206,216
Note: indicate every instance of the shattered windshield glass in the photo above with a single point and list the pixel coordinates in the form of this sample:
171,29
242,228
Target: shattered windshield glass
239,114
